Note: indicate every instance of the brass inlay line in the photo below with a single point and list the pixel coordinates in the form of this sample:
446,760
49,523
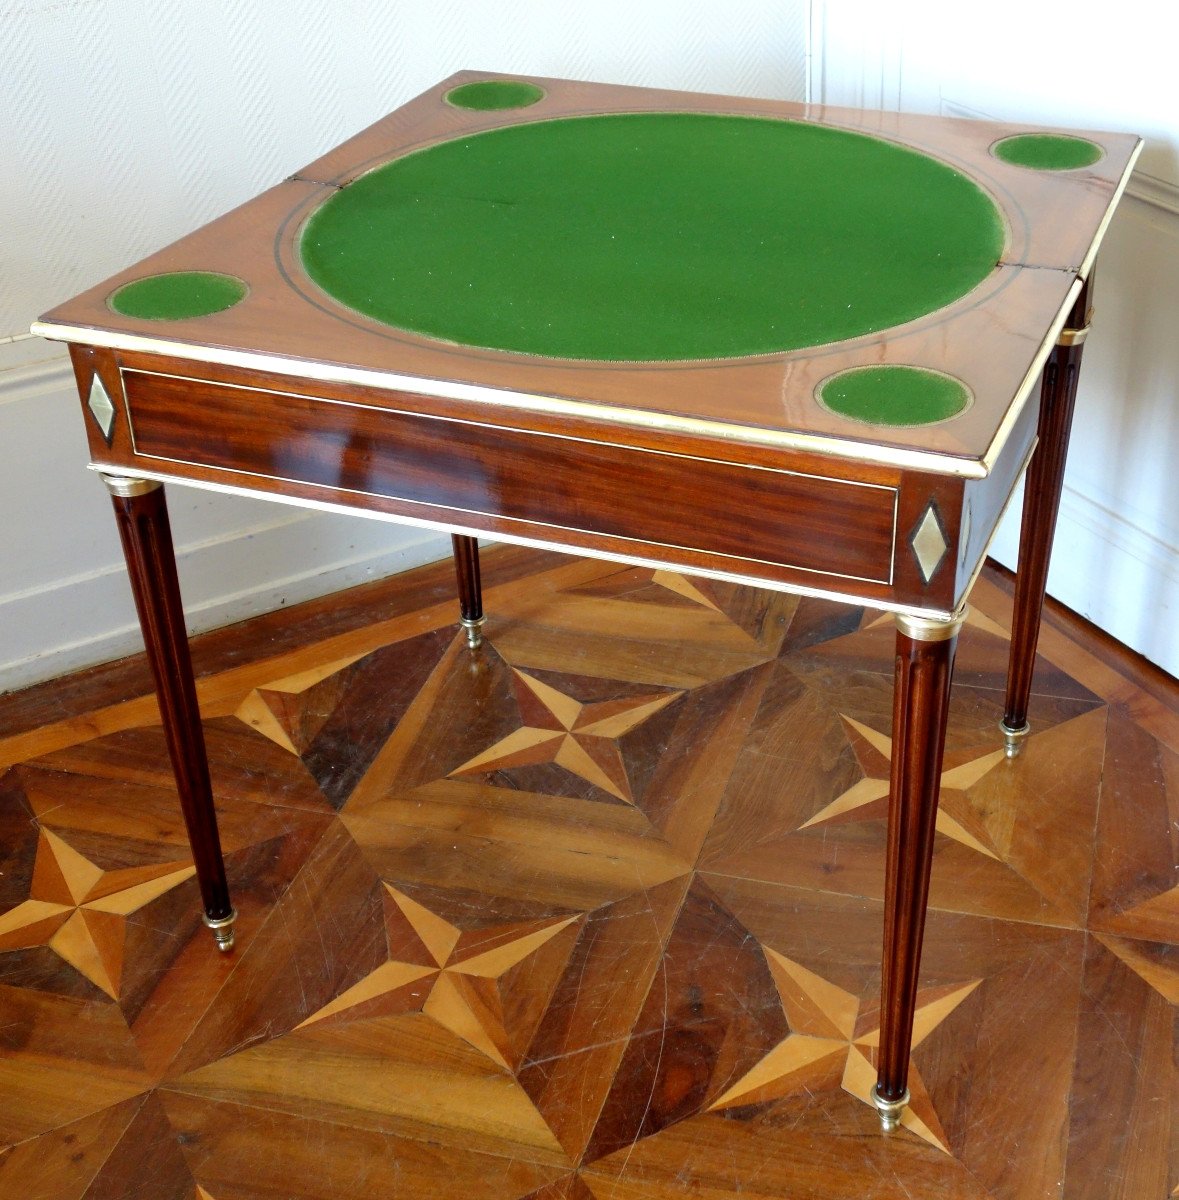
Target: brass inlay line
777,585
726,432
562,437
124,371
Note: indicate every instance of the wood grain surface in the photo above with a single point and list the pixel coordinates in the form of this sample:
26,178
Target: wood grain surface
592,913
989,339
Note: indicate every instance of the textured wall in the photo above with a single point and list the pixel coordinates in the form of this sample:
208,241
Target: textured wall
128,122
135,120
1116,557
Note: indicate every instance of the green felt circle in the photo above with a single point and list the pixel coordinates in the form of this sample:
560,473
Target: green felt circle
178,295
492,94
1047,151
894,395
653,236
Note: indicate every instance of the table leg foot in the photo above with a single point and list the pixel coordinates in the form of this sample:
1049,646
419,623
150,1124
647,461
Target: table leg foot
890,1110
1013,738
470,587
222,930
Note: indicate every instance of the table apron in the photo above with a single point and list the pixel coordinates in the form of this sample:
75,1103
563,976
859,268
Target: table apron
742,514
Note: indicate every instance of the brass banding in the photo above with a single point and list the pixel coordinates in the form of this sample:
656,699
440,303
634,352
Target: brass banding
500,535
122,485
931,629
222,929
886,579
1013,739
890,1110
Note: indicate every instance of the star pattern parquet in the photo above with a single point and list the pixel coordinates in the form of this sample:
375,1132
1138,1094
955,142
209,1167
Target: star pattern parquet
592,914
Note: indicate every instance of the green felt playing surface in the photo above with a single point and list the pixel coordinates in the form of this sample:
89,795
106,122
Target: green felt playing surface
1047,151
894,395
492,94
177,295
653,236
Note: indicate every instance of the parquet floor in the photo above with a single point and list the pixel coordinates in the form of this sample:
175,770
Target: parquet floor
593,914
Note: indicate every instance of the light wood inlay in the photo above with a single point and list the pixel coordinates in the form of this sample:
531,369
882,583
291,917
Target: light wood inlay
508,981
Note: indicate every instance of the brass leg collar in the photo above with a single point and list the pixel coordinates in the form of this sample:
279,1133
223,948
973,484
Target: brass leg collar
931,629
121,485
889,1110
222,928
1013,738
474,628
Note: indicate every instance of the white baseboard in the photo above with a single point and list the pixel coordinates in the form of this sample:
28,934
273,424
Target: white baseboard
89,619
65,603
1112,572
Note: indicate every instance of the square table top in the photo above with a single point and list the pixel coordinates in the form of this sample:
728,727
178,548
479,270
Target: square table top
954,248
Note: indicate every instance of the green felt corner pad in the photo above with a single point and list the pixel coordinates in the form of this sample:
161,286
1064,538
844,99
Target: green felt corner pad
490,95
894,395
654,237
177,295
1047,151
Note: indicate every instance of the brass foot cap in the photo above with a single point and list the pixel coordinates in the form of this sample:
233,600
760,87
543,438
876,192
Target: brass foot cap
474,628
1013,738
889,1110
222,928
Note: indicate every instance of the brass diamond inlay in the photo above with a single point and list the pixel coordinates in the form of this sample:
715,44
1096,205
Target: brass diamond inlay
101,407
929,544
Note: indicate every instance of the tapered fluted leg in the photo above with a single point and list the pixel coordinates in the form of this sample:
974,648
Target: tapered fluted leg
921,700
142,516
1041,505
470,586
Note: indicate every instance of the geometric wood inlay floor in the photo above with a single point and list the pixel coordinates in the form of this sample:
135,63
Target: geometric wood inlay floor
593,913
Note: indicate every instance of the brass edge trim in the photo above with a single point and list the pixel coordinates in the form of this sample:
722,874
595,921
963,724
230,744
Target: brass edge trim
892,550
826,447
495,516
1015,409
796,589
562,437
128,486
1073,337
1091,256
881,487
931,629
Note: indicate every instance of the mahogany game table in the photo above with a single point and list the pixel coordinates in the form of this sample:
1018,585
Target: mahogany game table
801,347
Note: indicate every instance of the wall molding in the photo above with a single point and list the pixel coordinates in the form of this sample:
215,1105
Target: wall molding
1158,193
871,76
93,617
274,556
27,381
1098,555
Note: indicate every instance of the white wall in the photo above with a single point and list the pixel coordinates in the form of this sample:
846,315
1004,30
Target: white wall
1083,65
126,123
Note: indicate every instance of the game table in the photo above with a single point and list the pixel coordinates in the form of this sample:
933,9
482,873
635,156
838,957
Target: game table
801,347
